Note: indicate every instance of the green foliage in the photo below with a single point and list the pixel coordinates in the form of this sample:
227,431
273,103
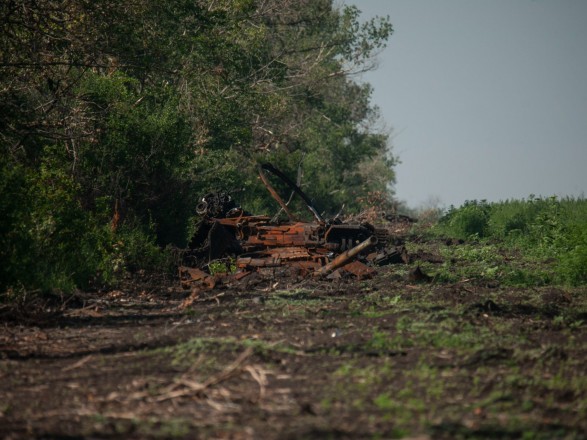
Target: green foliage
136,249
540,228
513,218
49,241
141,156
572,262
472,219
222,266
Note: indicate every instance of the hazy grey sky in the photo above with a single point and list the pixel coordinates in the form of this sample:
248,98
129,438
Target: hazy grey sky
487,99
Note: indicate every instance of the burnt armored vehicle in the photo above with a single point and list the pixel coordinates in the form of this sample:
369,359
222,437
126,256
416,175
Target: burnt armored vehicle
317,247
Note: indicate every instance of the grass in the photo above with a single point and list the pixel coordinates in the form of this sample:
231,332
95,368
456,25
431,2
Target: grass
186,353
505,395
479,374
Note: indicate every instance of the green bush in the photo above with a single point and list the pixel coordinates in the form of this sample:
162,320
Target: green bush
472,219
572,261
512,218
136,249
49,242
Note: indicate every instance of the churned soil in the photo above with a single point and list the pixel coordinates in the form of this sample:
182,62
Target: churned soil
395,356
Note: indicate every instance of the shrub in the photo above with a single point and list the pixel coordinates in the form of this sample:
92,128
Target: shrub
136,249
511,219
472,219
48,241
572,262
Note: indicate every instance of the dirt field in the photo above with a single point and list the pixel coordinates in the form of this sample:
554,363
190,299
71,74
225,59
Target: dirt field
391,357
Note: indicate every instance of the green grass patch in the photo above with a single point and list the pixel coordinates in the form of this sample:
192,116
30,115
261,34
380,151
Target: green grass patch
185,353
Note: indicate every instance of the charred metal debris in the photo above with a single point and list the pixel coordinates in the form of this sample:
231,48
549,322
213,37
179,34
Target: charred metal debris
230,243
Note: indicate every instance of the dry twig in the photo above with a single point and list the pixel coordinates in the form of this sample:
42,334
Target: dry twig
191,387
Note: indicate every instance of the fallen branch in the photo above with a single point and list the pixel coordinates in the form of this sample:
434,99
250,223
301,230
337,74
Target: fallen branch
192,387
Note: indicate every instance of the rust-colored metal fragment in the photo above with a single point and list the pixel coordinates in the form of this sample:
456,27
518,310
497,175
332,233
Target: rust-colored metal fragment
189,275
360,270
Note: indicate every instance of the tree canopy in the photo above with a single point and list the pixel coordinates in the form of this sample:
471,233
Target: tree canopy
116,116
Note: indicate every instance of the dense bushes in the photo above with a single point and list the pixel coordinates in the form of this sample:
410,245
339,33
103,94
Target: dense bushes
48,239
545,228
471,219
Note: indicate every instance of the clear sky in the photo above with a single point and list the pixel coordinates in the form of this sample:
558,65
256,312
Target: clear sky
486,99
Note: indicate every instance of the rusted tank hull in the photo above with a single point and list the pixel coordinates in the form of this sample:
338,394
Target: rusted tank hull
256,242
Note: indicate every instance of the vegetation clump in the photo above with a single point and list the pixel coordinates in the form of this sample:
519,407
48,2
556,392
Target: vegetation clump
545,229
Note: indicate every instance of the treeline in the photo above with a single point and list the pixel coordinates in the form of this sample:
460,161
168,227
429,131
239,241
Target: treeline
116,116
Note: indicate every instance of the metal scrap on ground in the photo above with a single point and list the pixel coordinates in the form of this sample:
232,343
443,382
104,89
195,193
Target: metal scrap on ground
247,243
